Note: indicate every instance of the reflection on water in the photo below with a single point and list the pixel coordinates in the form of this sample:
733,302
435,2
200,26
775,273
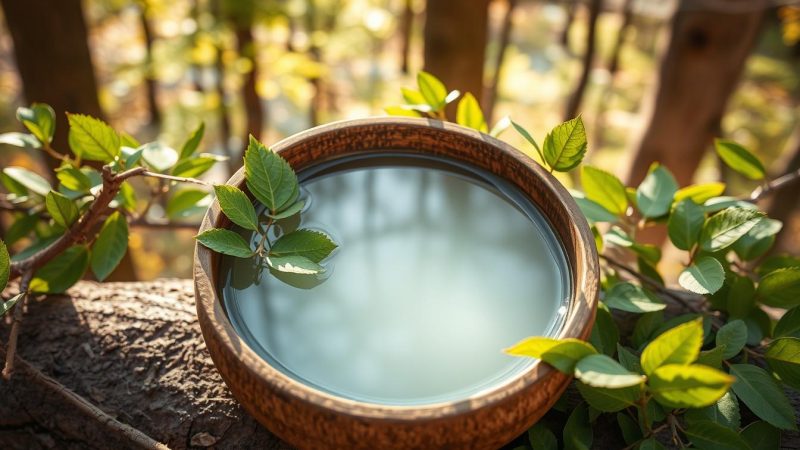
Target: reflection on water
435,274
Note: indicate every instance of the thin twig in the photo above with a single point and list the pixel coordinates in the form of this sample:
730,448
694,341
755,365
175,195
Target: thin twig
13,336
147,173
143,222
781,182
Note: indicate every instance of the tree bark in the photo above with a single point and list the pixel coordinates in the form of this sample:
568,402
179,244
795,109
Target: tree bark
455,44
701,68
151,86
490,94
784,203
406,25
254,109
575,100
569,10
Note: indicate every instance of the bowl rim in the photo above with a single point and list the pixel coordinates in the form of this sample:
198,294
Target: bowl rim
577,323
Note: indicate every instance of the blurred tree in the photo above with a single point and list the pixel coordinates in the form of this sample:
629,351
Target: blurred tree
702,65
455,44
406,26
490,94
575,100
150,79
785,201
569,10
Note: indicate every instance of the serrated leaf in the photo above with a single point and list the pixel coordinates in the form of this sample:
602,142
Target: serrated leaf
28,179
578,430
760,435
158,156
726,227
61,209
685,224
688,386
739,159
565,146
40,120
605,334
780,288
310,244
92,139
110,246
724,412
191,144
541,438
269,177
432,90
226,242
294,264
655,193
699,193
61,272
789,324
602,371
704,276
759,391
783,356
469,114
293,209
23,140
183,202
194,166
5,265
679,345
629,297
236,206
758,240
562,354
604,189
708,435
733,335
73,179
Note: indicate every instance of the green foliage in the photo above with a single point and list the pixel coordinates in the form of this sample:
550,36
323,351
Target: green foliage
61,209
92,139
739,159
578,431
704,276
40,120
565,146
629,297
726,227
5,265
685,223
761,393
235,204
655,195
470,115
269,177
780,288
226,242
679,345
712,436
62,271
783,356
110,246
562,354
605,189
541,438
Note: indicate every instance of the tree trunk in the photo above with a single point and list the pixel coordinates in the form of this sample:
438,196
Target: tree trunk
490,96
55,65
254,109
784,203
700,70
455,44
570,17
575,100
406,26
150,79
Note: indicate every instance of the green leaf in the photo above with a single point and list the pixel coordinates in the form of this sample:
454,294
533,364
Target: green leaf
293,209
724,412
741,298
705,276
711,436
789,324
780,288
524,133
759,391
73,179
40,120
739,159
565,146
711,358
650,444
294,264
469,114
562,354
5,265
699,193
126,198
733,335
646,327
679,345
628,359
717,204
630,428
654,195
21,227
593,211
236,206
61,272
759,325
226,242
191,144
30,180
269,176
20,140
726,227
605,189
402,111
685,224
758,240
126,140
605,334
92,139
6,306
183,202
609,400
110,246
688,386
578,431
783,356
310,244
158,156
629,297
760,435
61,209
432,90
541,438
774,263
194,166
602,371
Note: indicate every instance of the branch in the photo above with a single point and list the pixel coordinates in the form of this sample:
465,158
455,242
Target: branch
781,182
19,309
147,173
143,222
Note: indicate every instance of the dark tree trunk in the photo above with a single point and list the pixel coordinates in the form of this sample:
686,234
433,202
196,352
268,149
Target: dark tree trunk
490,96
151,85
570,17
784,202
254,109
575,100
406,25
455,44
700,70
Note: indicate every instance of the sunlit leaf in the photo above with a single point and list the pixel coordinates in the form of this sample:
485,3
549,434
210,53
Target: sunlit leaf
191,144
92,139
629,297
183,202
605,189
432,90
679,345
73,179
562,354
40,120
602,371
158,156
724,228
704,276
685,224
226,242
758,240
500,126
524,133
293,209
110,246
61,272
733,335
759,391
195,166
20,140
294,264
236,206
28,179
5,265
61,209
6,306
739,159
269,177
783,356
688,386
654,196
780,288
565,146
469,114
699,193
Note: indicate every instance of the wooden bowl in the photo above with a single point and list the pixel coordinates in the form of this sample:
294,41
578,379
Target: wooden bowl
309,418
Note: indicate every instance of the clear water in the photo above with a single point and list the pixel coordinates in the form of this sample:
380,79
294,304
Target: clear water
439,268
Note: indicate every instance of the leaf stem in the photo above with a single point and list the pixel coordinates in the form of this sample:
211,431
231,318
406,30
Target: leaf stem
163,176
13,336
